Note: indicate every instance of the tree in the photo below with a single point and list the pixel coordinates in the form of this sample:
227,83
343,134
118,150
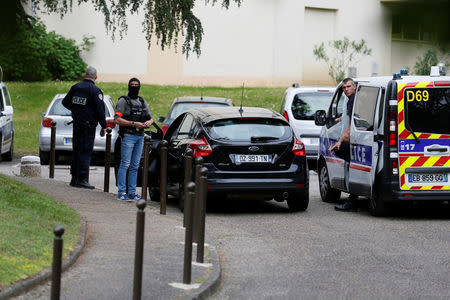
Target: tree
165,20
344,53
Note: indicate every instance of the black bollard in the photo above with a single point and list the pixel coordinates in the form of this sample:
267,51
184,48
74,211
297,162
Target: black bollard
196,204
163,178
188,235
57,258
52,150
187,176
107,160
202,201
139,252
145,167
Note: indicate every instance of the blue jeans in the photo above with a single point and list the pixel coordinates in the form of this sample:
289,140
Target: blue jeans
131,156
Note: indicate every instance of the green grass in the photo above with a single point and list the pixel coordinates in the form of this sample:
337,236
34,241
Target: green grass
30,100
27,219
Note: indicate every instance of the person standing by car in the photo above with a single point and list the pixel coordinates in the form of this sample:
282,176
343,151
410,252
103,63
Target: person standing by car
132,115
342,146
85,100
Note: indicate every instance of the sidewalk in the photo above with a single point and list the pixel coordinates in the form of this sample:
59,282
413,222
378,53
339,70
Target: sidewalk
105,268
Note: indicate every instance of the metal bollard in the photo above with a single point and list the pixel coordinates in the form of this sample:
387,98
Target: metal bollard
163,178
145,167
139,252
202,209
187,176
52,150
196,205
188,235
57,258
107,160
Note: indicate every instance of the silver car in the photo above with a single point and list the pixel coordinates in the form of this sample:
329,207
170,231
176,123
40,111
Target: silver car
63,118
298,107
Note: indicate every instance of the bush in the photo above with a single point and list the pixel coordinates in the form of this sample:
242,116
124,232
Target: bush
424,63
32,54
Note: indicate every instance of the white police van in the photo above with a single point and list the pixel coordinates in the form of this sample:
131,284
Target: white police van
6,122
399,141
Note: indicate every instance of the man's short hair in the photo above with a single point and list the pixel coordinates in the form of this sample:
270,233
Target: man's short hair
91,72
348,79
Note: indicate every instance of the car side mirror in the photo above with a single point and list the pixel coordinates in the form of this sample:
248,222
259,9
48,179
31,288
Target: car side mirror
43,114
320,117
161,119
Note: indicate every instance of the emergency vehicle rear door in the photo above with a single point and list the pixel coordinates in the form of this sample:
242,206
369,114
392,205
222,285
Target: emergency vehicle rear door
363,140
424,135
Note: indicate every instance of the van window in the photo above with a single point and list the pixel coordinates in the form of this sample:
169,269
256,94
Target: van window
364,109
305,105
7,97
427,110
1,102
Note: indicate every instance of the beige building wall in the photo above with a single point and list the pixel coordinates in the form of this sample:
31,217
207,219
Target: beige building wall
261,43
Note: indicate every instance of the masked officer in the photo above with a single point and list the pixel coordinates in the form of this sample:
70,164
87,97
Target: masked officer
85,100
132,115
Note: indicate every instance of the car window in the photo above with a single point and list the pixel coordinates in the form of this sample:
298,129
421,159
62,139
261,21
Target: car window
428,110
186,128
58,109
247,128
283,102
7,96
180,107
305,105
364,107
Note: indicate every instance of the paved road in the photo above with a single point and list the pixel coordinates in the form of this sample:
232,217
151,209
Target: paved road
268,252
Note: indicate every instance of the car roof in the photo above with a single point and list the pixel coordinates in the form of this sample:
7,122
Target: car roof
306,89
203,98
384,80
210,114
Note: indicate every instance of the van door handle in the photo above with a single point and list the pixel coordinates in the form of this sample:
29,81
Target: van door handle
437,150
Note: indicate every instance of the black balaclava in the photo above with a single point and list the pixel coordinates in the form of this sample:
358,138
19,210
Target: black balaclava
133,91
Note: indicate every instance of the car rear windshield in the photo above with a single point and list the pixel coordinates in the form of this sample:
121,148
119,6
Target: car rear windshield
428,110
305,105
181,107
249,129
58,109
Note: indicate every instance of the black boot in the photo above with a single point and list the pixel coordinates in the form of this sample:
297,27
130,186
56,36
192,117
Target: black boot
82,183
349,205
73,181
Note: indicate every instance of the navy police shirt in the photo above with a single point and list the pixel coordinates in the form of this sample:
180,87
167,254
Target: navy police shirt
85,100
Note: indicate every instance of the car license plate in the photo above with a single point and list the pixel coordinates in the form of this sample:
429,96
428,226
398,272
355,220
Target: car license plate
310,141
67,141
427,178
241,158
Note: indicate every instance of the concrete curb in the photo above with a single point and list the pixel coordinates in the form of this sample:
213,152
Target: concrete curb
33,281
209,286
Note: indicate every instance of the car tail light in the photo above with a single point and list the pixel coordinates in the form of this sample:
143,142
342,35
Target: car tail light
47,122
298,148
200,147
110,123
393,129
164,128
394,167
285,115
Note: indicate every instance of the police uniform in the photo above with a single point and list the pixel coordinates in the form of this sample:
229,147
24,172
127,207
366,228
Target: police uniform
85,100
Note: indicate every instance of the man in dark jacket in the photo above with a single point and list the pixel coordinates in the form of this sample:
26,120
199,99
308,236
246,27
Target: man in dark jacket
85,100
133,116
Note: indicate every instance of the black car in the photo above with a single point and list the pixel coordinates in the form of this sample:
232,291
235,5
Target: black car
251,153
182,104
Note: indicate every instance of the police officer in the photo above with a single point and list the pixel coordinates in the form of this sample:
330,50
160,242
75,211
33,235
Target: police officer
133,116
85,100
342,146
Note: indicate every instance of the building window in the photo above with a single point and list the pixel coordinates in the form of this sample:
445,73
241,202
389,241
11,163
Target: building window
403,28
